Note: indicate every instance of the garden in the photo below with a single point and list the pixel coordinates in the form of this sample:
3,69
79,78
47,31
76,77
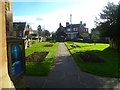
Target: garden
40,58
98,59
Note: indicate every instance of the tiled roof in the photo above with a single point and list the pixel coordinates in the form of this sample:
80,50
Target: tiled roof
74,26
21,25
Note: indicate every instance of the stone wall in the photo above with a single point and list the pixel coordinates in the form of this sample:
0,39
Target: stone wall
5,81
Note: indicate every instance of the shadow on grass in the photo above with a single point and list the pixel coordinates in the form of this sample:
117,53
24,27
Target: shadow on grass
109,67
90,57
77,46
48,45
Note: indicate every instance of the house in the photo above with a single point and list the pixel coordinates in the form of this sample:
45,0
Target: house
22,30
19,28
73,31
60,33
34,34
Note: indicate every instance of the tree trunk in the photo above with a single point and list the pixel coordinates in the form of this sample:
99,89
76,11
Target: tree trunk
115,43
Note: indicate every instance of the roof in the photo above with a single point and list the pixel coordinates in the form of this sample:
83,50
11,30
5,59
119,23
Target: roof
74,26
19,25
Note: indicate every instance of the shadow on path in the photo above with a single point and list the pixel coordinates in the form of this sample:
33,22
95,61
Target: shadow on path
66,74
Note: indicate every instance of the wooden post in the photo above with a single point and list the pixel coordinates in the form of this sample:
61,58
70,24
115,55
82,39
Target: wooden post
5,81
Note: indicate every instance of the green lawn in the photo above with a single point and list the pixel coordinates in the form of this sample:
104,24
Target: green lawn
108,68
44,67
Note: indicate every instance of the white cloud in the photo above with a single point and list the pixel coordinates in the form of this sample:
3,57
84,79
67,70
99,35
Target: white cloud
85,12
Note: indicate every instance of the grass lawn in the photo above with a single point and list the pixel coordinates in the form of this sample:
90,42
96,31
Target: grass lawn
42,68
108,68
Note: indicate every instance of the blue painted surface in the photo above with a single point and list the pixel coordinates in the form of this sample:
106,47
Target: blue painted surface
16,56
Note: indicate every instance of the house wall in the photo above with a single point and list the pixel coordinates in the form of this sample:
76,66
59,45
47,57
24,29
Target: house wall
72,35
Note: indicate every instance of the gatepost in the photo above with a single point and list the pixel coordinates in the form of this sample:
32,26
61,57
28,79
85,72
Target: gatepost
5,81
12,64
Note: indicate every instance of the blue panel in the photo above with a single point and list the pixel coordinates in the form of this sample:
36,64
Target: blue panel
16,53
16,56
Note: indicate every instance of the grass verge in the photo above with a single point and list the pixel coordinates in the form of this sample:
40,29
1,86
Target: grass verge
110,56
44,67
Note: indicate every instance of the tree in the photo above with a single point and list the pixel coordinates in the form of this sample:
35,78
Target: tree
95,35
39,31
109,15
46,33
110,26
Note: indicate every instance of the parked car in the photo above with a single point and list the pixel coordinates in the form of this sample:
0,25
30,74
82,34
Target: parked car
79,39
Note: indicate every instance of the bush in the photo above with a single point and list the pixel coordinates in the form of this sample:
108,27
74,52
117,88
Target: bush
52,41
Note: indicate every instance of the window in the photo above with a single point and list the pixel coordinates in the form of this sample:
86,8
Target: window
74,29
68,29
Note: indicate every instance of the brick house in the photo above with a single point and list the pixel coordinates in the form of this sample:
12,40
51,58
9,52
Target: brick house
74,31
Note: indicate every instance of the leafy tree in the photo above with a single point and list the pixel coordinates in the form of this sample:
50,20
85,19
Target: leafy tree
109,15
110,25
95,35
110,12
46,33
53,35
39,29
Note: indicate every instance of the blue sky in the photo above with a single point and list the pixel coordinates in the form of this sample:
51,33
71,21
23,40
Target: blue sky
33,8
49,13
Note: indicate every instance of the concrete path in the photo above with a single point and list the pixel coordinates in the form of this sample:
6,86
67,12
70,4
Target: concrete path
66,74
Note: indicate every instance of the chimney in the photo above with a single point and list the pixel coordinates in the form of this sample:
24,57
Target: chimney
81,22
67,24
60,24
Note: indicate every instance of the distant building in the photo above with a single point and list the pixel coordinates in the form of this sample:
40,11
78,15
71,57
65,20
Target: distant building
19,28
23,30
74,31
60,33
34,34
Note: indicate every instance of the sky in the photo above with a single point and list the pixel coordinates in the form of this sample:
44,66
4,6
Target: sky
49,13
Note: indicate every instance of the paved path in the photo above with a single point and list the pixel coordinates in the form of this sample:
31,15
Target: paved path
66,74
